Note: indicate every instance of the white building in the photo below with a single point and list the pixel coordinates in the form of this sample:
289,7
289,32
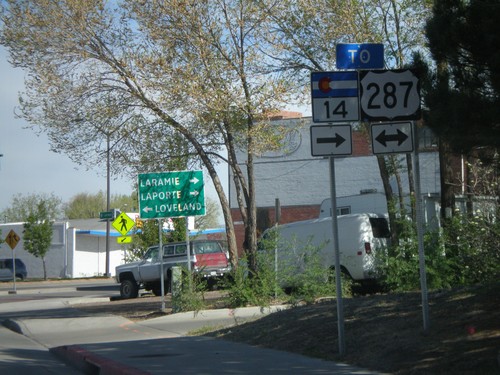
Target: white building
301,182
78,249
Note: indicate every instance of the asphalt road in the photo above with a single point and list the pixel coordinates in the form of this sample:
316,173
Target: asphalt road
22,355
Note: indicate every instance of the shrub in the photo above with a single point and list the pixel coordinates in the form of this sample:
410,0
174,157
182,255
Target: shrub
303,274
472,248
465,252
191,294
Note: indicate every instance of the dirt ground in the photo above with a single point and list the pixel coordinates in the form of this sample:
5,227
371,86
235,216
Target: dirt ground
383,332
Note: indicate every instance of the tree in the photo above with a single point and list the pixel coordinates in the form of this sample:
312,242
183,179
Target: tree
464,100
88,206
23,206
38,233
461,94
151,74
211,218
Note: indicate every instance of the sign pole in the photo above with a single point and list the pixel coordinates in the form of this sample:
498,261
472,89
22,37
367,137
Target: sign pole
188,254
160,252
420,235
336,250
12,240
14,269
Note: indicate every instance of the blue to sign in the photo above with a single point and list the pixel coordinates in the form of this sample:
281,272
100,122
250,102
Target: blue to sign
360,56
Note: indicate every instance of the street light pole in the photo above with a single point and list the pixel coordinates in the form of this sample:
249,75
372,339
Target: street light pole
108,185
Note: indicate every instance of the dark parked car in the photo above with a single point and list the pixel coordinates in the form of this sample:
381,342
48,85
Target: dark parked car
7,269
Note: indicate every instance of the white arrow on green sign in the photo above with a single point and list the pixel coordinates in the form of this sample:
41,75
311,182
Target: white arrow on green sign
171,194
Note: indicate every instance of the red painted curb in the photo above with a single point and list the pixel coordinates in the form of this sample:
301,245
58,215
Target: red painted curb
91,363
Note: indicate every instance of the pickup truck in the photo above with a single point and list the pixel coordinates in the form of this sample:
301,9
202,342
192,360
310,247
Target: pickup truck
209,259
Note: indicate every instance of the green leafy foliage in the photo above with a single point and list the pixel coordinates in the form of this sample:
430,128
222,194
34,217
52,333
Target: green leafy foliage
296,279
191,293
88,206
472,248
463,100
247,287
23,206
38,233
465,252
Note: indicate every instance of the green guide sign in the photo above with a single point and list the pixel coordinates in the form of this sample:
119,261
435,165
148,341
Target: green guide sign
171,194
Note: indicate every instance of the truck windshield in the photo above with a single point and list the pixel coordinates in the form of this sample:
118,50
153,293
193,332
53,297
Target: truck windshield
206,247
151,255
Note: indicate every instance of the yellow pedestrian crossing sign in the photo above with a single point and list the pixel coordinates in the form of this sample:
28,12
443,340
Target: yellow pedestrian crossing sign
123,223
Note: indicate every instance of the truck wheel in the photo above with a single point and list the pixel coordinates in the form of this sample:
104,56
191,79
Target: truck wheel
129,289
157,288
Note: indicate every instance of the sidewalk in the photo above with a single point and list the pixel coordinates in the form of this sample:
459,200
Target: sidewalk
112,345
176,353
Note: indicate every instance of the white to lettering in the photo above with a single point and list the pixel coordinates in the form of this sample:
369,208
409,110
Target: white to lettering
364,55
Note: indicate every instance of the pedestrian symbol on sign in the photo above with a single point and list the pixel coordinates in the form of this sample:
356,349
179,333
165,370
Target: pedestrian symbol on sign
123,223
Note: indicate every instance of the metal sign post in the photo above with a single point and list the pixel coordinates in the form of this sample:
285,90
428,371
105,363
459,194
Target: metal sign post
14,291
420,236
12,240
336,250
160,253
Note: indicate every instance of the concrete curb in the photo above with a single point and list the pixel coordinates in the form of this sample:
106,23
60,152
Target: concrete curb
90,363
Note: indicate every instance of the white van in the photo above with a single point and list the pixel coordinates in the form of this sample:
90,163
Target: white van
360,235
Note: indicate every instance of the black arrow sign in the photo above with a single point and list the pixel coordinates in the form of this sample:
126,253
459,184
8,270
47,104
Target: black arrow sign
400,137
338,140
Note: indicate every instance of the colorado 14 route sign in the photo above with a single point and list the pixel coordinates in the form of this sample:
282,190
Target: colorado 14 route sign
171,194
335,96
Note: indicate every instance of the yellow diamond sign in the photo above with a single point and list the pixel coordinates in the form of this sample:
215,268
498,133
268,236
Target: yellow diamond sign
123,223
12,239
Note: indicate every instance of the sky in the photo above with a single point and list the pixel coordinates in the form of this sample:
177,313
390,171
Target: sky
29,167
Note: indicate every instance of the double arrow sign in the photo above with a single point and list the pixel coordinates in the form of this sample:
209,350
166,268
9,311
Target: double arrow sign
392,138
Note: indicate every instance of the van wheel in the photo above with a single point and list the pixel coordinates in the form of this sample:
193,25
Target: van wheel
129,289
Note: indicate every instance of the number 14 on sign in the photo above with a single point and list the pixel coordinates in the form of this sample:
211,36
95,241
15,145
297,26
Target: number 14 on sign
336,109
